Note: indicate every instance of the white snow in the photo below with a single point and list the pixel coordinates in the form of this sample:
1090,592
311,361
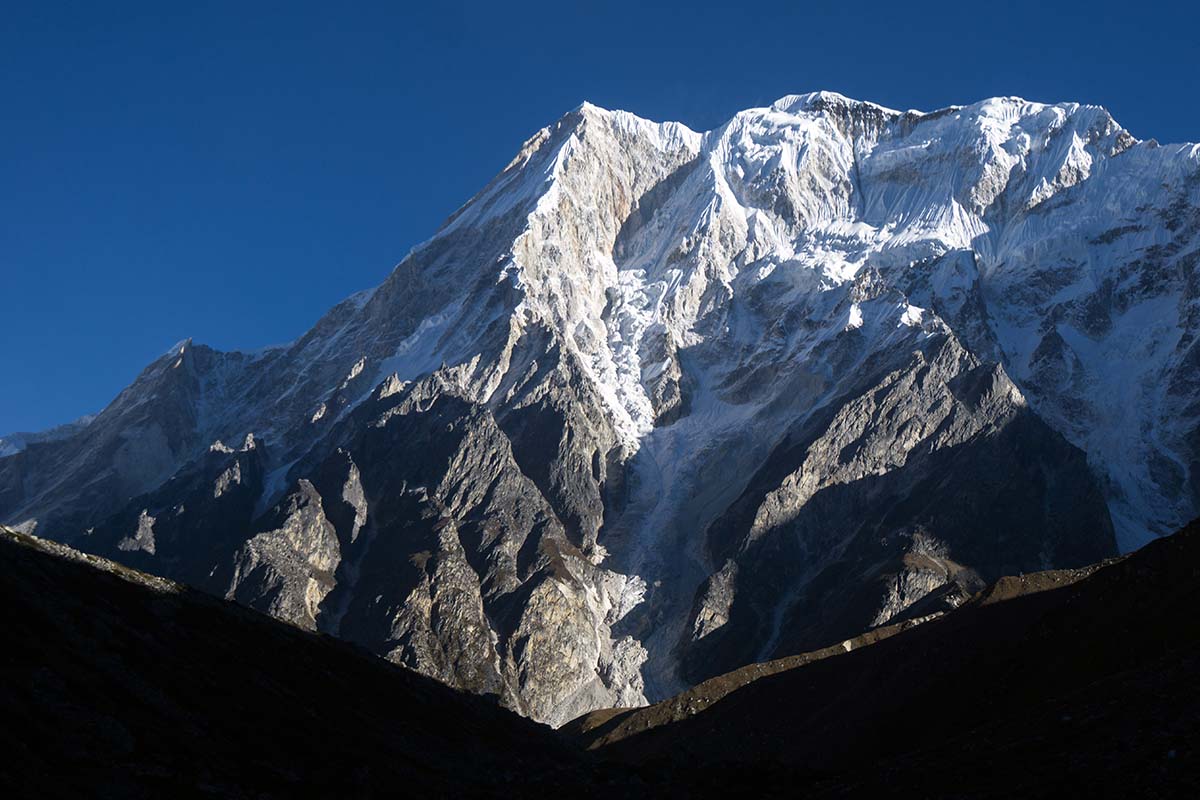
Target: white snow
419,352
912,316
355,371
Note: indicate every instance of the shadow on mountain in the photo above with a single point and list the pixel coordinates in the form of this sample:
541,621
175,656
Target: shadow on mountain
1053,683
1013,497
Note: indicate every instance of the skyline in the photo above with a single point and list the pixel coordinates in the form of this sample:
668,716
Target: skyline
200,174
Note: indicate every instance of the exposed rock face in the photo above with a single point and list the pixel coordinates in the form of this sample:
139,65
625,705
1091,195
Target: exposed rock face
942,444
287,570
656,403
116,683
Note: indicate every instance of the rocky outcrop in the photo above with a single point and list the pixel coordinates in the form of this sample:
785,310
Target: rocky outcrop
286,570
187,528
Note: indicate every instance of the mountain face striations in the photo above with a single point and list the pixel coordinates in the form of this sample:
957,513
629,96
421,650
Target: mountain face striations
656,404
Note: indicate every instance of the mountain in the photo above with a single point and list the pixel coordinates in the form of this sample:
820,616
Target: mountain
656,404
121,684
1056,683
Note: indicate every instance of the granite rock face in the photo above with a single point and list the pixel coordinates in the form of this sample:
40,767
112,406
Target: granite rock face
657,403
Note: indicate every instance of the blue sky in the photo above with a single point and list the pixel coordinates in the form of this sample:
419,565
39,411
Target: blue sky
228,174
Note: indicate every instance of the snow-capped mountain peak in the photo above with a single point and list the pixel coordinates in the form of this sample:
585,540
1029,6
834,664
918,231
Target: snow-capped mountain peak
669,401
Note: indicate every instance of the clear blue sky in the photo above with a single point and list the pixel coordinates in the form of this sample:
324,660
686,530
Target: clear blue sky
205,170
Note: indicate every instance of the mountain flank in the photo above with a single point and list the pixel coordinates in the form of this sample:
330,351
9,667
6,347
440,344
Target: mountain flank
1047,684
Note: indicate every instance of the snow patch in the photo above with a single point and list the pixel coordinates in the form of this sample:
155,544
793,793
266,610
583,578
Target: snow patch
912,316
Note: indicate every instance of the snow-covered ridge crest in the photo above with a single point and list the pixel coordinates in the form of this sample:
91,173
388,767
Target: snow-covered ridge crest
804,201
823,100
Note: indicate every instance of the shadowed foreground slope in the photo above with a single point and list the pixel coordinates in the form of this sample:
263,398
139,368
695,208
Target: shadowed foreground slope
115,683
1046,683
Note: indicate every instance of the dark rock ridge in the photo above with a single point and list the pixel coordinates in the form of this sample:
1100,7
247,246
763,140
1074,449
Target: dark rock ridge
656,403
